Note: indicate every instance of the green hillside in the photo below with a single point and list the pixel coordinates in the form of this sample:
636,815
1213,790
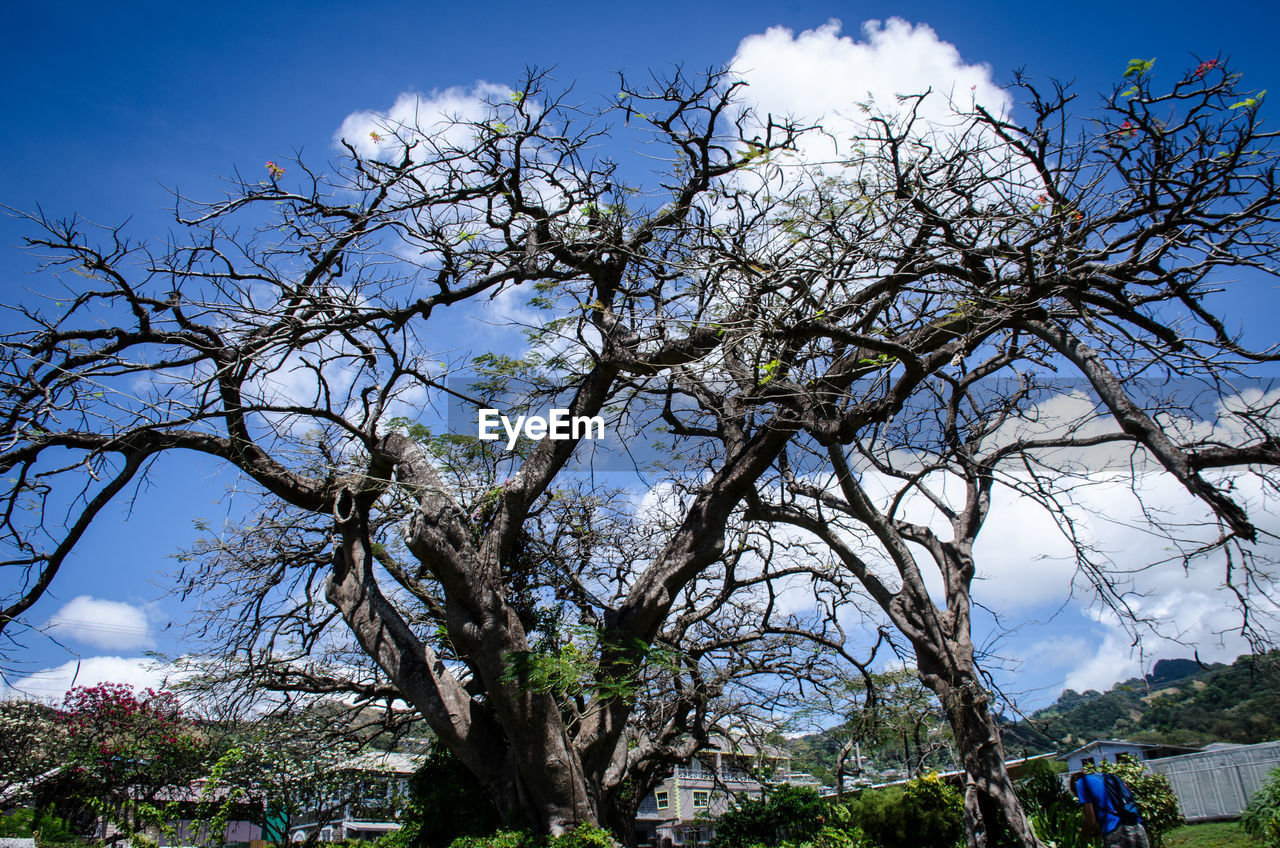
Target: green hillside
1181,702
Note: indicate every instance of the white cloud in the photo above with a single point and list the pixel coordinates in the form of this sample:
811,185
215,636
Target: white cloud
112,625
1022,557
440,120
53,683
1184,605
1204,622
821,75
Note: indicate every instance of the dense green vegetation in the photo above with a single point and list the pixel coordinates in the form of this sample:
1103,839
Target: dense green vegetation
1261,818
924,812
1181,702
446,803
927,812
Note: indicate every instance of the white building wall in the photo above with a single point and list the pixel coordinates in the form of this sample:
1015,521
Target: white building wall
1218,784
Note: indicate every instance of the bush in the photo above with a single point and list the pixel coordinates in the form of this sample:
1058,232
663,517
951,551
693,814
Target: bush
834,837
1157,804
42,824
1261,819
446,802
791,814
498,839
581,836
927,811
1052,810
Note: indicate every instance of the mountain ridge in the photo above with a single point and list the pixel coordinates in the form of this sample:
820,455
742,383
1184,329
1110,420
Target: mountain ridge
1179,702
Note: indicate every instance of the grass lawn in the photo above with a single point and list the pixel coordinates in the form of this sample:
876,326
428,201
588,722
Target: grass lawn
1210,835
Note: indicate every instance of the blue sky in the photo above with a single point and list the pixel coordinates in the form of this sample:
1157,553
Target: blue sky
110,107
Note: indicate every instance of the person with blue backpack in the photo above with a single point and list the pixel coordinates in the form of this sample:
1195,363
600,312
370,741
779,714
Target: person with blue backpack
1109,810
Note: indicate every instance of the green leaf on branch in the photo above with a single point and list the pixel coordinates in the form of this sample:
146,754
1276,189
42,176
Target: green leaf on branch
1138,67
1250,102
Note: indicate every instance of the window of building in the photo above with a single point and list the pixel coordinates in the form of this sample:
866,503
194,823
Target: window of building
662,798
1087,761
701,799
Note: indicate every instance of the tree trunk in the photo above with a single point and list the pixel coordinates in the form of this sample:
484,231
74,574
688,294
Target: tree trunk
619,818
841,759
990,805
514,743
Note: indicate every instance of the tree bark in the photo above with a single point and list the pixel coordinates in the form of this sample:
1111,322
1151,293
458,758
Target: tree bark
990,805
524,758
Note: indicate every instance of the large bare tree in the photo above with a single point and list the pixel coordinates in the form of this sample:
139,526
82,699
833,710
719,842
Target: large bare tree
756,300
290,334
1067,261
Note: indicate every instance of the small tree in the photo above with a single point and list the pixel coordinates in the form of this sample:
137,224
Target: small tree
926,811
28,749
283,771
123,751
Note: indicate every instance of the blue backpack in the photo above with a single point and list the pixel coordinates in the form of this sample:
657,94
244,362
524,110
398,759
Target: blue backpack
1120,800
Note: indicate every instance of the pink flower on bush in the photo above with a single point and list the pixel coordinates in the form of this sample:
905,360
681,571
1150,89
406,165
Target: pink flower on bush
274,171
1205,67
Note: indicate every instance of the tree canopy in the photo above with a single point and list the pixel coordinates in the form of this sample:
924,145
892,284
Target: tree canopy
822,343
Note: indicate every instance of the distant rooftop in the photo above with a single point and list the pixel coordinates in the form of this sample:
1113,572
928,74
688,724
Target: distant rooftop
1146,746
387,761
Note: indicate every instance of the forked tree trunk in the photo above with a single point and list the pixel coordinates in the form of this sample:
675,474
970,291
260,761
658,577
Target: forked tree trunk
515,744
990,804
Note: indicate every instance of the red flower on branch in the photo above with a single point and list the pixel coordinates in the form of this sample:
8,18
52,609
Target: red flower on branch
1205,67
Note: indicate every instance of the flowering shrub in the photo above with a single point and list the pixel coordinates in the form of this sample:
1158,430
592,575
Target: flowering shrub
123,749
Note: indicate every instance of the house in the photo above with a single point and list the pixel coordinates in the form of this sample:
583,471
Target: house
190,806
371,803
682,809
1118,750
